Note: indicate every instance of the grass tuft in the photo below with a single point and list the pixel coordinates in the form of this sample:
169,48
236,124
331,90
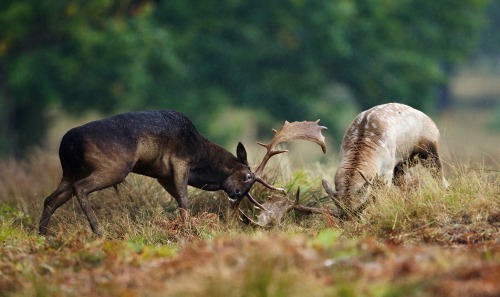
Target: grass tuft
400,246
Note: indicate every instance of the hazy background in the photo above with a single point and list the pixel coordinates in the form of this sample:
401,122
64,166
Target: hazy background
239,68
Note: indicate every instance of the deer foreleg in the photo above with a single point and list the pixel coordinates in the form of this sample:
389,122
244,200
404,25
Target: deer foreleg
177,185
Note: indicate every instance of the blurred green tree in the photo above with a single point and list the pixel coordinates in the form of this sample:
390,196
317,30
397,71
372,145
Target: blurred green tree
285,58
78,55
489,52
490,39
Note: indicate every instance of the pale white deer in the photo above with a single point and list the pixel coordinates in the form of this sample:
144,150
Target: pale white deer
378,145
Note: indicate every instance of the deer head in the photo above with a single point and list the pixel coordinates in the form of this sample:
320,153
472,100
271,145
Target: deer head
310,131
344,211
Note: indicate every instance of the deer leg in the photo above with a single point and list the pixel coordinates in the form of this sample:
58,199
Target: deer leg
181,175
60,196
177,187
398,175
401,167
170,187
430,158
432,161
92,183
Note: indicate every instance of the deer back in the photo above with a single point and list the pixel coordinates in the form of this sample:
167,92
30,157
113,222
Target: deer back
140,140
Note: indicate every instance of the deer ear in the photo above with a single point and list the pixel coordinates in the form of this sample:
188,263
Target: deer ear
241,153
328,189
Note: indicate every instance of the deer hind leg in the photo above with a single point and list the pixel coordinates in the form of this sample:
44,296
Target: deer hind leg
403,167
432,161
94,182
398,175
60,196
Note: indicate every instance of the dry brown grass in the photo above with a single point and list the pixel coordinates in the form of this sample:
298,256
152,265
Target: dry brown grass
142,209
419,241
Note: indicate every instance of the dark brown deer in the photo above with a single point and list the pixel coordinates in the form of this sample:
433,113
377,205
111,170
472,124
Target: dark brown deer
163,145
379,144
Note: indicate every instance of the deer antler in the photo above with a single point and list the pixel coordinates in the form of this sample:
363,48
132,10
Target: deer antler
276,208
305,209
290,131
364,177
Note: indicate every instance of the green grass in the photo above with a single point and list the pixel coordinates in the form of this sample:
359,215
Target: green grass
422,241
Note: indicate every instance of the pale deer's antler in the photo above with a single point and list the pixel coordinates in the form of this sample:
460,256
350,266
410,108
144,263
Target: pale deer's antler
274,210
290,131
364,177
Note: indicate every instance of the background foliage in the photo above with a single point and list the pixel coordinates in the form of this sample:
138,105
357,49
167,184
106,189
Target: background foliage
288,59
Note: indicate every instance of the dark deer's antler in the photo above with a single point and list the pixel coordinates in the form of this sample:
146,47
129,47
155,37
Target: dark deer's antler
277,207
290,131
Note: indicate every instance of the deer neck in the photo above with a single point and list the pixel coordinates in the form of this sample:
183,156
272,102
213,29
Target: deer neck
212,167
348,180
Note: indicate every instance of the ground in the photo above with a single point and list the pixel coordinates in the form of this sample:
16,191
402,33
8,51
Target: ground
421,240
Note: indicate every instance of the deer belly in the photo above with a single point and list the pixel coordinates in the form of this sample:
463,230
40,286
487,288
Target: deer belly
152,169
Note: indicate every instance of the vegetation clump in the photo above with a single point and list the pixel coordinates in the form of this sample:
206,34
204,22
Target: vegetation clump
424,240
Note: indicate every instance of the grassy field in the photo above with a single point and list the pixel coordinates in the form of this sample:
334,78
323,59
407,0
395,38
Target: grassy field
418,241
